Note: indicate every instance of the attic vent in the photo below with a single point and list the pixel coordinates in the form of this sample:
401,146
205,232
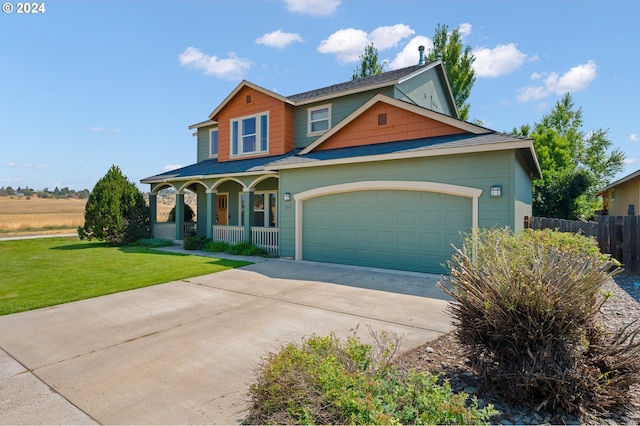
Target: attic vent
248,99
382,119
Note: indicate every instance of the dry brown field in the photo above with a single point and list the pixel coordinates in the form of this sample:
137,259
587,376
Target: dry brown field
24,216
42,216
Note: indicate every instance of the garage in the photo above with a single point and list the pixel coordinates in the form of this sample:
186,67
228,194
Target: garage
380,226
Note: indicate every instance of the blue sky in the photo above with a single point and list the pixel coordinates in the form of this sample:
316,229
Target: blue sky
89,84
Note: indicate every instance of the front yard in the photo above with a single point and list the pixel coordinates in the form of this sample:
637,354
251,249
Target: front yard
36,273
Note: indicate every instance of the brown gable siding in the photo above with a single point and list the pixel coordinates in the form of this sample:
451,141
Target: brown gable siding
249,102
400,125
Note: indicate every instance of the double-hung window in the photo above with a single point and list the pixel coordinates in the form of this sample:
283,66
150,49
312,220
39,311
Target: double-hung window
319,119
250,135
213,143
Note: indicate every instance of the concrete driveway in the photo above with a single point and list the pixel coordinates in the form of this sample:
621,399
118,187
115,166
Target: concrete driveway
184,352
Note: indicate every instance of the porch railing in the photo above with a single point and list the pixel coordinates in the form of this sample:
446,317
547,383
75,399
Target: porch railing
265,238
167,230
229,234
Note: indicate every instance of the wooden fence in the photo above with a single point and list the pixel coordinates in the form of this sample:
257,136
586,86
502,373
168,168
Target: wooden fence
618,236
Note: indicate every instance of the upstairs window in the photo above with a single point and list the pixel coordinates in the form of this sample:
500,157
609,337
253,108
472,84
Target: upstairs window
213,143
319,119
250,135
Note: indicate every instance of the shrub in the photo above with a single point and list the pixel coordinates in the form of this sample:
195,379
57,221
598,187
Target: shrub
243,248
217,247
155,242
327,381
115,211
527,312
195,242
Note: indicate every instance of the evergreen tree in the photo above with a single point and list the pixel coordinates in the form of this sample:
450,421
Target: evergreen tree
115,211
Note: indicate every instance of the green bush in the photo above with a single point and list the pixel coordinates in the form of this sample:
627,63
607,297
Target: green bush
243,248
195,242
327,381
155,242
526,308
217,247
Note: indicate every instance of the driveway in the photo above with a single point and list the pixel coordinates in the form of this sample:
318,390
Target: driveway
184,352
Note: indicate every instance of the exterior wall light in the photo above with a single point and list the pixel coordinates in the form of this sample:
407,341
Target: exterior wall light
496,191
287,196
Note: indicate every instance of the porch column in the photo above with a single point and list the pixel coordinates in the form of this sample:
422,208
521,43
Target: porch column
248,212
180,215
153,211
212,206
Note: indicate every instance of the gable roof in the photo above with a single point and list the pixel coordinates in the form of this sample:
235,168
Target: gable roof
425,112
375,81
619,182
385,79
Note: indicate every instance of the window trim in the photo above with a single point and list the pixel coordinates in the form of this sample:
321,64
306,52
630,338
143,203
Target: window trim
313,109
211,153
266,207
236,124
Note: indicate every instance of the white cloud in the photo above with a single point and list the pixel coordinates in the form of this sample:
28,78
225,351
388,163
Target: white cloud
170,167
410,55
633,137
348,44
574,80
502,59
389,36
464,29
278,39
628,161
26,165
313,7
98,129
231,68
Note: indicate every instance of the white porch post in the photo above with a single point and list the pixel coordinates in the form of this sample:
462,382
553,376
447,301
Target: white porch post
212,197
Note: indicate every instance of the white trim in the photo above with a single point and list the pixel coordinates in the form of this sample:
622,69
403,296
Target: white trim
310,110
394,185
211,154
258,117
202,124
463,125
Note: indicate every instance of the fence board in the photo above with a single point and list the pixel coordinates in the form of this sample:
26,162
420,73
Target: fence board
618,236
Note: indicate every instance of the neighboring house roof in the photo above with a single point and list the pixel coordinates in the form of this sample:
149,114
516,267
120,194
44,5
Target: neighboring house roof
434,146
620,181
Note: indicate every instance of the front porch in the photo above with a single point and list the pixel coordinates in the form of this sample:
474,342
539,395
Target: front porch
229,209
265,238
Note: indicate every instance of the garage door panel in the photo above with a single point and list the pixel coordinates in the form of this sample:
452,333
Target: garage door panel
409,230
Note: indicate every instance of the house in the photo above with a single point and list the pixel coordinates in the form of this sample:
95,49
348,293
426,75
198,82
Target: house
377,172
622,197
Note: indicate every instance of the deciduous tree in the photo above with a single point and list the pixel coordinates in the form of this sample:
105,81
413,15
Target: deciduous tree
369,64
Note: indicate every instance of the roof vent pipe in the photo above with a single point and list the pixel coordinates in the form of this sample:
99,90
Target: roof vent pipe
421,49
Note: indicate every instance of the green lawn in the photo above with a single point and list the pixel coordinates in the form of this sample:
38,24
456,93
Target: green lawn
35,273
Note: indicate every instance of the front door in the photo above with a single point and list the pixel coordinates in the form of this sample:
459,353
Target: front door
222,213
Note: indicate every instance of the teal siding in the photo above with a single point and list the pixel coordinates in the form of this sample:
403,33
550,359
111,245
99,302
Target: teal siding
340,109
203,143
478,170
426,90
523,194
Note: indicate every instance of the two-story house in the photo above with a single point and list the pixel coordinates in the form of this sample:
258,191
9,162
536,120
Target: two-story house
377,172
